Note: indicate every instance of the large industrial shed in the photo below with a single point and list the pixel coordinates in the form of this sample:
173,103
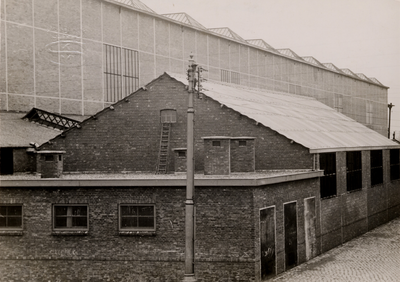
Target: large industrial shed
78,57
280,179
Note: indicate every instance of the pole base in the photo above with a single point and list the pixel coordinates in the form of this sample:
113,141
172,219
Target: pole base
189,278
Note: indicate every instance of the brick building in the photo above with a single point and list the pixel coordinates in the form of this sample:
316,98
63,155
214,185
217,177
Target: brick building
78,57
280,178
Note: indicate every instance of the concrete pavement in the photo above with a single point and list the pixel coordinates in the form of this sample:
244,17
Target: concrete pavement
374,256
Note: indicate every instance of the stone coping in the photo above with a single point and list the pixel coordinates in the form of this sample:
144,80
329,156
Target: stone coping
164,180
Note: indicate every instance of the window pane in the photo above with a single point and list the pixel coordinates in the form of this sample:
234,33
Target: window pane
128,210
79,210
146,222
61,210
14,210
127,222
2,221
61,222
79,222
3,211
14,222
145,210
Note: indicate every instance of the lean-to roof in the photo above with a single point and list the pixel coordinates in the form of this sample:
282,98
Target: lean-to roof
302,119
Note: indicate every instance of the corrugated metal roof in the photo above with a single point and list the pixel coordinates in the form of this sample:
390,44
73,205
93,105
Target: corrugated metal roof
302,119
184,18
134,4
15,132
261,43
227,32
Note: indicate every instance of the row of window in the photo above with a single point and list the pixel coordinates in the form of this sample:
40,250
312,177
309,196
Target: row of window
354,170
132,217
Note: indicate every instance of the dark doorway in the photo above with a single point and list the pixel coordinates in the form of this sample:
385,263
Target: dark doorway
290,235
267,242
6,161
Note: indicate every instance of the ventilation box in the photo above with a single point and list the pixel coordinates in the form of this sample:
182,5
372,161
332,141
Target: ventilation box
224,155
50,163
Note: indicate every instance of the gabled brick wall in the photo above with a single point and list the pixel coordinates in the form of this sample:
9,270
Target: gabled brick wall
127,137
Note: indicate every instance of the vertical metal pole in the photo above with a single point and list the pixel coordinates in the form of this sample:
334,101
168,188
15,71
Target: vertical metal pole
390,113
189,203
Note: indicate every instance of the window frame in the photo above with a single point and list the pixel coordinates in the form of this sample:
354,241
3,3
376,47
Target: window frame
72,228
394,164
137,229
327,187
121,72
13,228
168,116
353,171
376,160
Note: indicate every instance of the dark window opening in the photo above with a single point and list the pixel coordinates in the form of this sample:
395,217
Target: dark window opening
242,143
6,161
49,158
394,164
376,167
11,216
354,170
71,217
121,72
60,158
182,154
328,181
216,143
137,217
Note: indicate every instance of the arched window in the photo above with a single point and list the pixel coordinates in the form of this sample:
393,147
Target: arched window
168,116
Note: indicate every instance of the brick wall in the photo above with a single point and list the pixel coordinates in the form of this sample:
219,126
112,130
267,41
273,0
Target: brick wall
277,195
224,236
127,138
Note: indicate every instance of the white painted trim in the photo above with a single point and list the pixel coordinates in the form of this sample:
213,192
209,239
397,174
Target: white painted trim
82,53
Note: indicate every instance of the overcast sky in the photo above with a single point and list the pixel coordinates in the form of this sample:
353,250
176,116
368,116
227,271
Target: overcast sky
361,35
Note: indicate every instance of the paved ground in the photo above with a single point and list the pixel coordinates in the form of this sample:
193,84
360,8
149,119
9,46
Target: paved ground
375,256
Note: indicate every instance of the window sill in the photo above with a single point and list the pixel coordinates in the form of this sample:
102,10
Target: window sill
11,232
137,233
70,232
329,197
355,190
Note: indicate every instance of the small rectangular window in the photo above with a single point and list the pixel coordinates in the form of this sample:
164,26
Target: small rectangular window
10,217
71,217
376,167
168,116
49,158
216,143
137,217
182,154
354,170
242,143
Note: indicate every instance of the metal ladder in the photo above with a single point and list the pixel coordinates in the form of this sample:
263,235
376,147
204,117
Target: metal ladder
164,148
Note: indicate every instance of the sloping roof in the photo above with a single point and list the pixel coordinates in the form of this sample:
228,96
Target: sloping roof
50,119
302,119
332,67
261,43
363,76
313,61
184,18
16,132
289,53
227,32
349,72
136,4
